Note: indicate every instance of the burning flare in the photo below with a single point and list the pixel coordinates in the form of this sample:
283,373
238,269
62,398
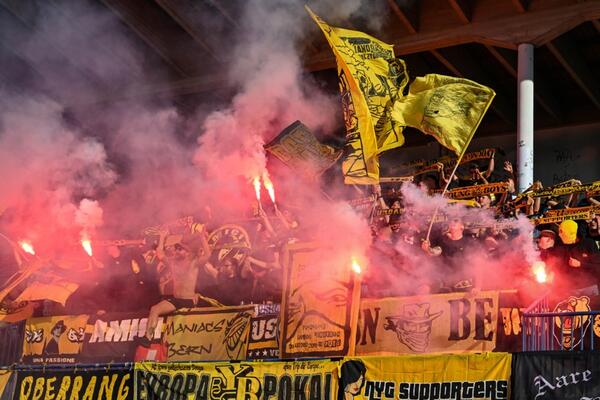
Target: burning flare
539,271
256,183
269,186
27,247
87,246
356,266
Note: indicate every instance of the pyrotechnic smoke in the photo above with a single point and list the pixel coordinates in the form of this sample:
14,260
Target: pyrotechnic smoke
71,161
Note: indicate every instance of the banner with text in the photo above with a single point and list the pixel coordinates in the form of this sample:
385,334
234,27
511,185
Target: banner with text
93,384
443,323
556,375
315,380
51,340
209,334
434,377
319,310
112,338
263,342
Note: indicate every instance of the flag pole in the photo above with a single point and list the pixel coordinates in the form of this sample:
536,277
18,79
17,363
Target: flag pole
437,208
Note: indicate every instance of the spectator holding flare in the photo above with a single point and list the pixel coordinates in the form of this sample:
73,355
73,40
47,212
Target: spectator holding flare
579,256
452,246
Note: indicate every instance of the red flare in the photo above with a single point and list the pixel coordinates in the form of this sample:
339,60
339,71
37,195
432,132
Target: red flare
269,186
27,247
256,183
539,271
356,266
87,246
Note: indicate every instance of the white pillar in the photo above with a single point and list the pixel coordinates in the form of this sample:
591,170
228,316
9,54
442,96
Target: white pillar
525,118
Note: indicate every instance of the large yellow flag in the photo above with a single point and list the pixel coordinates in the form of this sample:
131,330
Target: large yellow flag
371,80
448,108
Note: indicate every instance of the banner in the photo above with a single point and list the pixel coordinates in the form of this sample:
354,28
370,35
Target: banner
6,384
93,384
299,149
15,311
263,342
11,343
54,339
572,211
442,323
560,218
556,375
314,380
112,338
447,108
434,377
319,309
448,161
470,192
371,79
564,190
209,334
58,291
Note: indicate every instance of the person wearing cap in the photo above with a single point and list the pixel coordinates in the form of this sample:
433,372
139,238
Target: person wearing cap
578,255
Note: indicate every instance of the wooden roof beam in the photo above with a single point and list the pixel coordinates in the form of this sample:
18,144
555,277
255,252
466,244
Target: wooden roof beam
462,8
535,27
567,55
138,17
542,94
181,19
521,5
407,13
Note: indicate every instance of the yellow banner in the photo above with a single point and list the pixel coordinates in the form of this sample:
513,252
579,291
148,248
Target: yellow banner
448,108
54,339
564,190
57,291
371,80
572,211
431,377
561,218
319,310
314,380
209,334
5,388
299,149
15,311
450,161
443,323
469,192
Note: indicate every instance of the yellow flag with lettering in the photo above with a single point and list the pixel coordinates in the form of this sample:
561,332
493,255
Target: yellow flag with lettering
371,79
447,108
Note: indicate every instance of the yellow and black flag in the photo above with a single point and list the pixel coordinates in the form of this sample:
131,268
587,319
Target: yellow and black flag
448,108
371,79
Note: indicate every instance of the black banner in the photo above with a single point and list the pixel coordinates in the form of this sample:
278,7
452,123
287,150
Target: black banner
112,338
11,343
556,375
263,341
96,384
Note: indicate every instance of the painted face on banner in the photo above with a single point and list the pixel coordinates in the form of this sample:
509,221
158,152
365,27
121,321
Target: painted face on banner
570,328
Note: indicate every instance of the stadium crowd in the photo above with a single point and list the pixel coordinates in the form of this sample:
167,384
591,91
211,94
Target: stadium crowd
242,263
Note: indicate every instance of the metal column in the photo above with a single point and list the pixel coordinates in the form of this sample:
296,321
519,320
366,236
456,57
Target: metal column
524,168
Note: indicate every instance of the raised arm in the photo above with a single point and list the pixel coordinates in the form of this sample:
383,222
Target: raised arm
491,166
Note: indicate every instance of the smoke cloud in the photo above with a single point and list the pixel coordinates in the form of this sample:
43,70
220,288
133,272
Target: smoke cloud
72,161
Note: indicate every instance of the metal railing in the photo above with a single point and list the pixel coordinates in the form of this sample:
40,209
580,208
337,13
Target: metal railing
543,330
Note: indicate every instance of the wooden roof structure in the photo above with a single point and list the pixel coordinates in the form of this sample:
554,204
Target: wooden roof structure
475,39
